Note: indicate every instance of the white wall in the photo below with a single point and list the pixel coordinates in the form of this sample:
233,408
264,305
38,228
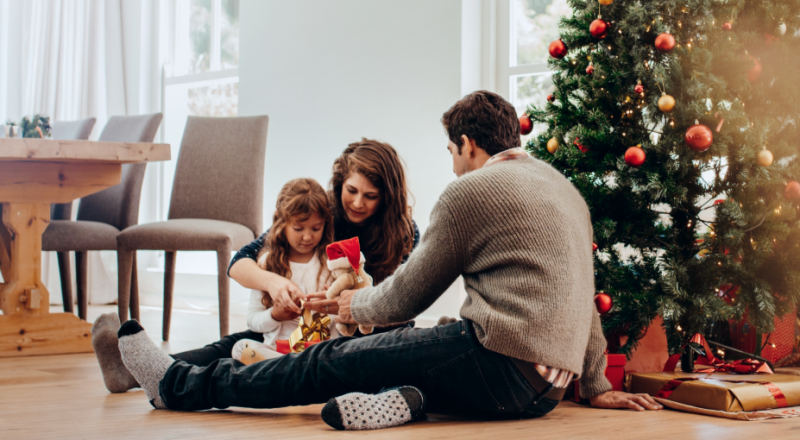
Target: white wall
328,73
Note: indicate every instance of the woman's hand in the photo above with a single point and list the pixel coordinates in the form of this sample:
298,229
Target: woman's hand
619,399
319,302
281,314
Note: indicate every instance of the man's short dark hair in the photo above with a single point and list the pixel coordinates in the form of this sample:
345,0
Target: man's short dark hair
486,118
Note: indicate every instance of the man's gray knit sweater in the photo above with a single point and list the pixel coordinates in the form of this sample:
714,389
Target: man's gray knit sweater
521,236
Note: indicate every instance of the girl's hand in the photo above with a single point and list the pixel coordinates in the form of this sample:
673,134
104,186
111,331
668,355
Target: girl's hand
285,295
318,302
280,314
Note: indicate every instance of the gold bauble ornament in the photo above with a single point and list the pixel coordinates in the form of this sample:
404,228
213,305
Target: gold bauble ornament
764,158
666,103
552,145
605,2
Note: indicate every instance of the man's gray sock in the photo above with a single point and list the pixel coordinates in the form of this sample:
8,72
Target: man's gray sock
359,411
144,360
106,347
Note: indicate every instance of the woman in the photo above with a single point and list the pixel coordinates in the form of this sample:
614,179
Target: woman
369,198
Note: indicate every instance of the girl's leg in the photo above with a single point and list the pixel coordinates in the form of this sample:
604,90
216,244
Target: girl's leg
221,349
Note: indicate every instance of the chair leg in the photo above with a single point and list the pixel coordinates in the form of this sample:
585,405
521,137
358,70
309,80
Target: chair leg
223,258
135,290
81,276
65,271
124,269
169,284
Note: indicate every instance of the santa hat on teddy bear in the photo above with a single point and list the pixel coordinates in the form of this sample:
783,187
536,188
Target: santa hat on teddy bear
342,254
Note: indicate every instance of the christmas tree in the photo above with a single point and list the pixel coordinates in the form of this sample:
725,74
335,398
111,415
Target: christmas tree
678,122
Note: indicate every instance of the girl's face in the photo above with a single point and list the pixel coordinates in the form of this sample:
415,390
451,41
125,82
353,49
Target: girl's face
360,198
303,237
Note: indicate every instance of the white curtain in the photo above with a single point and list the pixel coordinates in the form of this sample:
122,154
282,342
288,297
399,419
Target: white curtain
67,59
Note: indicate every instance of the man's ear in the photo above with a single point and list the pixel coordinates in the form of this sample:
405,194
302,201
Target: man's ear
468,147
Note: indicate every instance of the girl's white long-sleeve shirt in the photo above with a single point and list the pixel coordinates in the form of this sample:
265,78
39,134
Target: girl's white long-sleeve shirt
309,279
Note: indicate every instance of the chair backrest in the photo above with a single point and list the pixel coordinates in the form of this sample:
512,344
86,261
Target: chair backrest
69,130
220,171
72,130
118,206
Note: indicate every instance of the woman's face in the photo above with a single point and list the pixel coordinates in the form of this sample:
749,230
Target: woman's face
360,198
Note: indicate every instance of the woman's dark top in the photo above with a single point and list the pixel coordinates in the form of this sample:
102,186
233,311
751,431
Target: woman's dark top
342,230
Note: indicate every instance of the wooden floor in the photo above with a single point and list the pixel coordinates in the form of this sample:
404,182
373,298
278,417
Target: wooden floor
63,397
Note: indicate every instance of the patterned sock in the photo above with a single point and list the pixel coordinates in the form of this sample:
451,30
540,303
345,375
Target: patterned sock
106,347
359,411
144,360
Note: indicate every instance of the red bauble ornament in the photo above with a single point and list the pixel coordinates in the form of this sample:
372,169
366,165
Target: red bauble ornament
727,26
755,72
525,125
557,49
590,69
599,28
638,88
699,137
594,247
792,191
603,302
551,98
665,42
719,202
635,156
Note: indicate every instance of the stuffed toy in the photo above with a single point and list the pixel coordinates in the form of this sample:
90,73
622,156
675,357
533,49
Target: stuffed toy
346,263
248,351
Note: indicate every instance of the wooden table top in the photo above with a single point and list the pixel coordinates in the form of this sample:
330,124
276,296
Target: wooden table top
54,150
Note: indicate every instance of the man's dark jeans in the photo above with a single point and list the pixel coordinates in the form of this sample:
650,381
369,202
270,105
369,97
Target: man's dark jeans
446,362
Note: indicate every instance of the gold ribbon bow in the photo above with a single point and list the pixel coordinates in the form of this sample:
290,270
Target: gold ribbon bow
314,326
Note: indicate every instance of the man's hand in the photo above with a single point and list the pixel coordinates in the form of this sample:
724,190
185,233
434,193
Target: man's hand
344,307
319,302
285,295
619,399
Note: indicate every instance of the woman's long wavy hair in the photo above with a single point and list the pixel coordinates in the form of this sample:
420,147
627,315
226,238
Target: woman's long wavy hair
390,232
298,200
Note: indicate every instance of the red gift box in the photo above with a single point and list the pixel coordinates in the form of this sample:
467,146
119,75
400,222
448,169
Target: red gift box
615,373
282,345
743,337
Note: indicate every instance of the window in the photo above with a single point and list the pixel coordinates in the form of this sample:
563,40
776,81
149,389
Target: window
525,29
202,76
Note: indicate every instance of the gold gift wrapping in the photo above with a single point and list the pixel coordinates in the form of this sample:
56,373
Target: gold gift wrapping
313,327
720,391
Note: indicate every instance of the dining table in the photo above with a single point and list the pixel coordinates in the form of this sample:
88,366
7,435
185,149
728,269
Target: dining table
34,173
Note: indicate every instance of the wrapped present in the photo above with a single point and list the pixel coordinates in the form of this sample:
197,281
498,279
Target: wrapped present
615,373
777,345
314,328
741,385
720,391
282,346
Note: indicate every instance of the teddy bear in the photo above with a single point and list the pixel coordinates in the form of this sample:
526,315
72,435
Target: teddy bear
346,263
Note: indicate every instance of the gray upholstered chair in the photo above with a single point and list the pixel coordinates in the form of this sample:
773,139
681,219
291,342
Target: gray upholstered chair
216,205
67,130
102,215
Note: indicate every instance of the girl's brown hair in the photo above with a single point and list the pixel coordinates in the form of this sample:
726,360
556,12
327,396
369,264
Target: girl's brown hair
390,232
298,200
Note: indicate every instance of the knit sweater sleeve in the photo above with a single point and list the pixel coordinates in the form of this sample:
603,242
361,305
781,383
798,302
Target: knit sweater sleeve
433,266
593,380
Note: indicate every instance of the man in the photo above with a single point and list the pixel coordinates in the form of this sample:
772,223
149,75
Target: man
520,235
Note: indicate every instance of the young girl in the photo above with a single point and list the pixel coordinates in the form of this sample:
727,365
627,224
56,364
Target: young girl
294,248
